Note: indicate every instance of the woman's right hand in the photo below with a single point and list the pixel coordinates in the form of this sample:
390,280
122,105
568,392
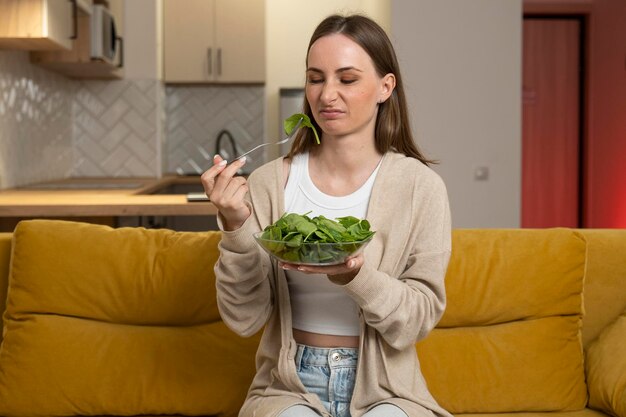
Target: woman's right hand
227,191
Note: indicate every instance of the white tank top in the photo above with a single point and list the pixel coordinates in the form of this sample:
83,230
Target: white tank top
318,305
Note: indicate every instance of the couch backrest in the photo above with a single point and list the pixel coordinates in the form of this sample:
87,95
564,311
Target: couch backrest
509,340
5,259
605,280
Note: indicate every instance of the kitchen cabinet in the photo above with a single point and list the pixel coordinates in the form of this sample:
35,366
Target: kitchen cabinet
214,41
77,62
37,24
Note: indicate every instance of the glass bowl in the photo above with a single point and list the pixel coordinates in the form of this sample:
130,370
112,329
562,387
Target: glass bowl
313,253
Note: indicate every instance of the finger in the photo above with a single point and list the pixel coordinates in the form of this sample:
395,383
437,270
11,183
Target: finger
236,165
227,174
349,265
328,270
287,265
208,177
217,158
354,262
232,197
241,192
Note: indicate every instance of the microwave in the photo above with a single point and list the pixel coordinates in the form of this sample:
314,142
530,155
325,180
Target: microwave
104,38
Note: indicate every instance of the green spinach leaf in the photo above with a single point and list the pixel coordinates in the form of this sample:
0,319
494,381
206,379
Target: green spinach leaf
290,123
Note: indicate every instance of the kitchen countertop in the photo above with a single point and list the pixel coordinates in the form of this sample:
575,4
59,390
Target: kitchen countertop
103,197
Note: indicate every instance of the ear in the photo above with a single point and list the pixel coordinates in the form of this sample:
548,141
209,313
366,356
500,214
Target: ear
387,84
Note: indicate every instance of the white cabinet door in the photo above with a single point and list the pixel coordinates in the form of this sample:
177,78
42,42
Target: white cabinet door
214,41
188,40
240,40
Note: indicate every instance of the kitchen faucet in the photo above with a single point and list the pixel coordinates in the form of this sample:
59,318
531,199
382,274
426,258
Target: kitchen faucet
218,143
233,145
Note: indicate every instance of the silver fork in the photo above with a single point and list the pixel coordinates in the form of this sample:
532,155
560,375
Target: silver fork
293,132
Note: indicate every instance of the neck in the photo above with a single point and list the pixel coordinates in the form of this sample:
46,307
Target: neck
346,155
342,167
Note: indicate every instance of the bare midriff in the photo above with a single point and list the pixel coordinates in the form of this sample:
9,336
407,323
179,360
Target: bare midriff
325,340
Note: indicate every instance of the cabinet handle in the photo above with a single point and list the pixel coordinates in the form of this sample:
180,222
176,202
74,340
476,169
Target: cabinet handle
210,61
121,41
74,19
219,62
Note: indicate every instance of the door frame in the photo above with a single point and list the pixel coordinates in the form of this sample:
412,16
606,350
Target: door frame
580,10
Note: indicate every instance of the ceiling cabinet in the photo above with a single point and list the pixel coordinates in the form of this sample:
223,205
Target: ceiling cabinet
78,61
214,41
37,24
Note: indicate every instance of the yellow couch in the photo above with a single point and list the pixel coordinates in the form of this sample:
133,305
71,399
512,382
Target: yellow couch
101,321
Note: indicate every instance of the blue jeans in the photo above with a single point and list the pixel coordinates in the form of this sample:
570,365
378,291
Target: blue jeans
330,373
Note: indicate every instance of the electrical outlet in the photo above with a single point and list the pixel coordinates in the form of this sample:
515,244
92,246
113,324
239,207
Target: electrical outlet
481,173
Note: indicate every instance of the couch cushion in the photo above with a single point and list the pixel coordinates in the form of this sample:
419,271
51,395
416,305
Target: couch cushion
605,280
606,369
586,412
117,322
510,339
5,255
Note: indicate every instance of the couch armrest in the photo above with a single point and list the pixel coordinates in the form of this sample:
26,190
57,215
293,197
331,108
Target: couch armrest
5,260
606,369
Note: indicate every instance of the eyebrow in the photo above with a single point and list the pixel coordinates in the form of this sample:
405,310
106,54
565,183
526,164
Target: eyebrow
342,69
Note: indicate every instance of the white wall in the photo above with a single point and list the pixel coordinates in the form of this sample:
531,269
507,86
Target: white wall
289,25
461,63
142,37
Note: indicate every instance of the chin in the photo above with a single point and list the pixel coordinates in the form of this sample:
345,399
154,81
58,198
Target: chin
333,127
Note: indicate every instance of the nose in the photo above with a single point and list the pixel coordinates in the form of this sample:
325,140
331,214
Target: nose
329,93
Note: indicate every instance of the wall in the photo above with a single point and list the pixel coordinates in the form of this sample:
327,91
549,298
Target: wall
139,126
605,170
117,128
53,127
197,113
35,122
118,124
461,63
289,25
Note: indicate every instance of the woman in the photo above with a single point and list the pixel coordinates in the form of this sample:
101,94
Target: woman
339,340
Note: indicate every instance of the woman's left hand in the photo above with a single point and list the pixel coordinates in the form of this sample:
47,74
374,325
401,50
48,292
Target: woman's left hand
338,274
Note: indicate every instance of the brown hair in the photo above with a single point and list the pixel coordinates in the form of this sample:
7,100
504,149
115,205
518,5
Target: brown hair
392,130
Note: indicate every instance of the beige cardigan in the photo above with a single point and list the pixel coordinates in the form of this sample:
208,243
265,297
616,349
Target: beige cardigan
399,290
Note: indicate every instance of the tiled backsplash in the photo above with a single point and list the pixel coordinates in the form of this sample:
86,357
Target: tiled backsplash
52,127
117,128
197,114
35,122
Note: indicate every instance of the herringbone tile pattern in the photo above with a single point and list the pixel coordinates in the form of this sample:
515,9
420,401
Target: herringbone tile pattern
196,115
117,128
35,122
52,127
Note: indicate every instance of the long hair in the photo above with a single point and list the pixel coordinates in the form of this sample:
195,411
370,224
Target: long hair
392,130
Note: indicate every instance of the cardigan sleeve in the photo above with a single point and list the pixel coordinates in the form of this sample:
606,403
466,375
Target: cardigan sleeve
404,309
243,271
242,281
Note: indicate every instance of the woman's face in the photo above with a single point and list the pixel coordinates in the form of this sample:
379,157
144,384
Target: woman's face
343,87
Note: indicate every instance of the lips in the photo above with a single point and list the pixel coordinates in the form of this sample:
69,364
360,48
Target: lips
330,113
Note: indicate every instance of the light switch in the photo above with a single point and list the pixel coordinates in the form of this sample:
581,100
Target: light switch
481,173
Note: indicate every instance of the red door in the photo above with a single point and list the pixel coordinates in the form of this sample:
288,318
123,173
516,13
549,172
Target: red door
551,129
